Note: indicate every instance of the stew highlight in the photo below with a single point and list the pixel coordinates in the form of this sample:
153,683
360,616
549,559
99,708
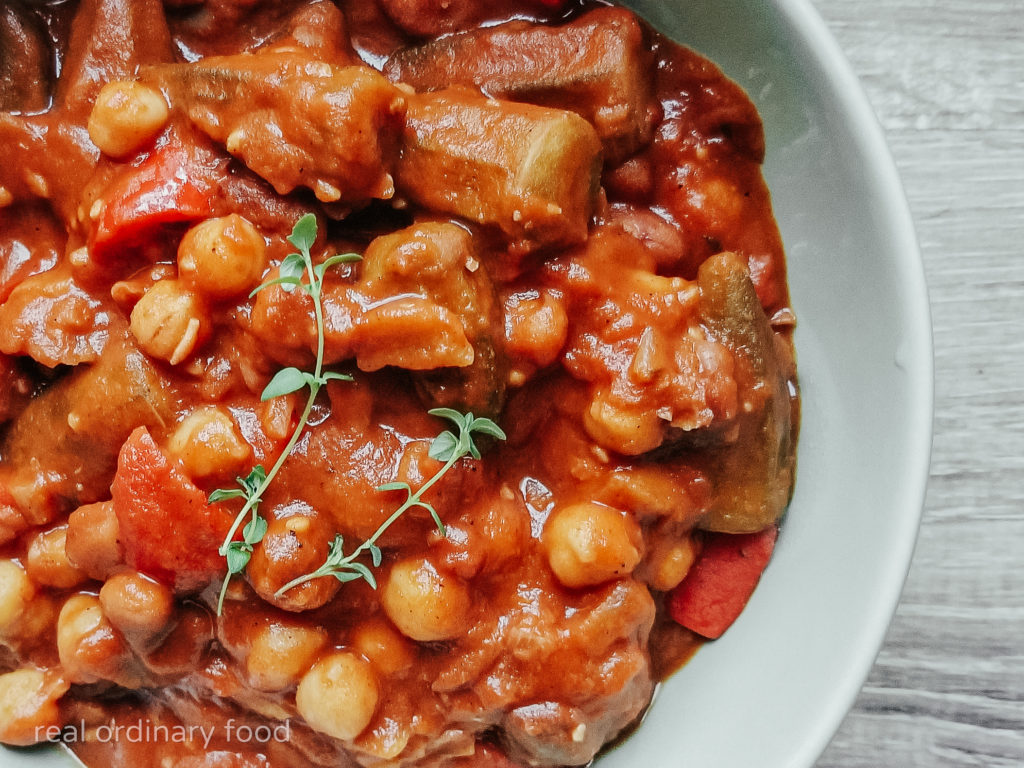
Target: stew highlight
382,382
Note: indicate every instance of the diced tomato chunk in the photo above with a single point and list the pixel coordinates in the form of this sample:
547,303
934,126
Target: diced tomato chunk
168,187
168,529
722,580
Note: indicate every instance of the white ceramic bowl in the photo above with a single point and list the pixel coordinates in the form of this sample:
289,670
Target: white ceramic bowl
774,689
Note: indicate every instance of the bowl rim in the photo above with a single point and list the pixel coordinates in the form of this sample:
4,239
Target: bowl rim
824,63
857,111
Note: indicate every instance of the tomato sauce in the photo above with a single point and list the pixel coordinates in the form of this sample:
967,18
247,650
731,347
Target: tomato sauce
560,227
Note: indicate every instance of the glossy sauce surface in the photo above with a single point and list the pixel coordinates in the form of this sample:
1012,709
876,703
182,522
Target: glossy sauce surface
618,307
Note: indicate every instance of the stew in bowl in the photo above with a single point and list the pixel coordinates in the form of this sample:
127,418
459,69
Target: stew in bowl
381,383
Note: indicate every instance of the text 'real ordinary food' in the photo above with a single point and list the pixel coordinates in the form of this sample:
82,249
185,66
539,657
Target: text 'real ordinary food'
382,382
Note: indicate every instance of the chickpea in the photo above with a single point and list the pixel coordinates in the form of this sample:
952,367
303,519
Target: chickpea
89,648
28,705
222,258
424,603
80,617
722,200
40,619
184,646
127,292
126,117
668,562
590,543
47,560
536,327
293,546
208,444
338,696
650,493
630,432
280,652
136,605
16,592
384,646
170,321
92,541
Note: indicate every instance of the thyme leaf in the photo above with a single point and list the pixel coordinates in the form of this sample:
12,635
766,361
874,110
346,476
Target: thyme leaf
285,382
447,447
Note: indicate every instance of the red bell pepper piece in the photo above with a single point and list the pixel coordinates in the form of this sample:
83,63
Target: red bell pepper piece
168,187
168,529
721,581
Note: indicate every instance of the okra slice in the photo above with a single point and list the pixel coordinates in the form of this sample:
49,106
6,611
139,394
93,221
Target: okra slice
532,172
63,447
598,66
24,60
751,477
294,120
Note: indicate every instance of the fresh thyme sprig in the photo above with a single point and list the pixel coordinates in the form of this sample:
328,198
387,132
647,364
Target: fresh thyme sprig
447,447
287,380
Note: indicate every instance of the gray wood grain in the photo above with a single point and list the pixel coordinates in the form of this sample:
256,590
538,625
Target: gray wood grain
946,78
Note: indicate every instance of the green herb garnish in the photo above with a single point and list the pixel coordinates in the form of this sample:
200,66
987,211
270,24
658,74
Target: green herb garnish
447,447
287,380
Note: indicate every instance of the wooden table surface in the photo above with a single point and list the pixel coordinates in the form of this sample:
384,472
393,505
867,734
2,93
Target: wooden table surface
946,78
